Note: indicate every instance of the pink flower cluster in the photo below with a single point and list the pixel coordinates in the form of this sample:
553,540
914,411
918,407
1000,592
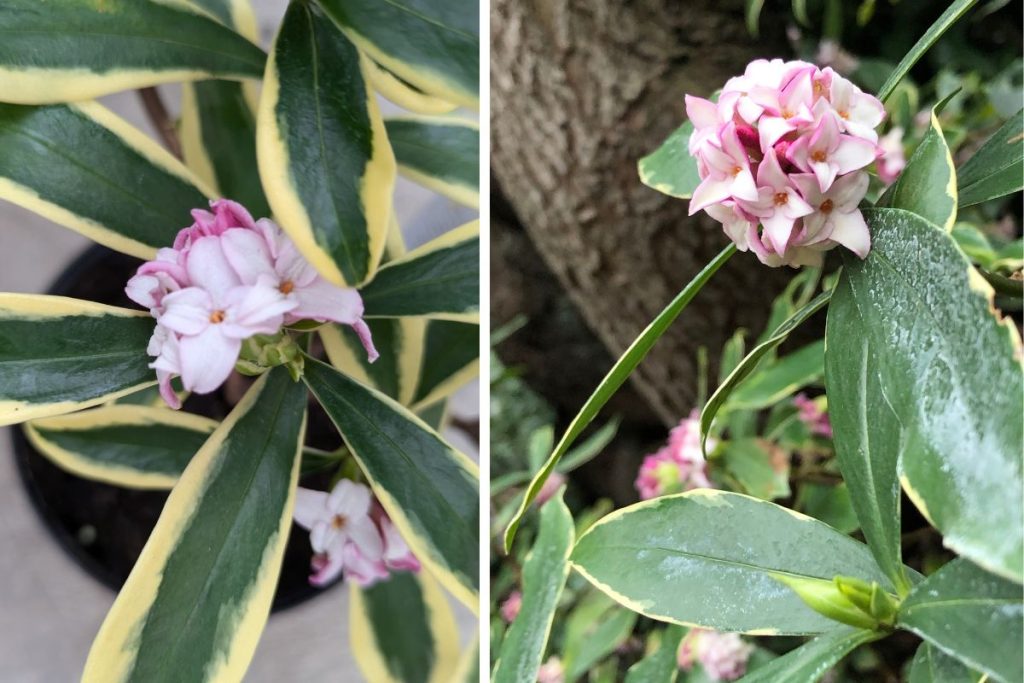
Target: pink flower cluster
724,656
509,609
350,532
679,465
785,147
813,415
226,278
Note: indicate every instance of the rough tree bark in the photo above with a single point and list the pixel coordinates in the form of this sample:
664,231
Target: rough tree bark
580,90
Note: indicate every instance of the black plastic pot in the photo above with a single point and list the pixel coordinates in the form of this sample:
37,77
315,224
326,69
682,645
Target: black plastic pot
104,527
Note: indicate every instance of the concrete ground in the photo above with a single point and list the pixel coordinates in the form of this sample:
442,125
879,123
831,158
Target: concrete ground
50,609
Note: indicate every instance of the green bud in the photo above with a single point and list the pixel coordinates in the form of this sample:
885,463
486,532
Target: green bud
825,598
870,598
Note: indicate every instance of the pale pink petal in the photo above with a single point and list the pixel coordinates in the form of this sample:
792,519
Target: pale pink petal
703,113
326,568
778,230
743,186
397,554
323,535
258,309
771,129
366,338
167,392
187,311
207,359
143,290
310,506
248,253
208,267
770,173
825,173
363,570
853,153
350,500
711,190
231,214
323,301
851,231
366,535
848,191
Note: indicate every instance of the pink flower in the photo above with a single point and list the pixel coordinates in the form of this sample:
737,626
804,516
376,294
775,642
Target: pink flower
678,466
836,218
723,656
727,172
778,204
164,346
858,113
787,108
509,609
550,487
827,153
551,671
350,532
813,416
892,162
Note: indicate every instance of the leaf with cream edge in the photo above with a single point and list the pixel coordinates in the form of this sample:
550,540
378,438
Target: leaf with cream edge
972,615
932,665
219,543
997,168
429,489
784,377
454,352
671,169
400,342
433,45
952,374
749,364
660,666
544,573
812,660
615,378
235,14
439,153
59,355
324,158
402,630
89,170
405,95
70,50
440,280
641,554
927,186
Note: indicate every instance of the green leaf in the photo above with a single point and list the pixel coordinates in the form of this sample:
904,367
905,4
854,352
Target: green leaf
131,446
60,355
997,168
615,378
199,595
951,374
429,489
71,50
400,343
726,549
589,449
599,640
402,630
451,358
670,169
972,615
866,430
750,362
732,353
780,380
324,157
432,44
956,10
812,660
659,666
85,168
831,504
404,94
544,574
762,471
932,665
442,154
928,185
441,279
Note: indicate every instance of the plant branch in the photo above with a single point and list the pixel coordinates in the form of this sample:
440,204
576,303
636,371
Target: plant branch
161,119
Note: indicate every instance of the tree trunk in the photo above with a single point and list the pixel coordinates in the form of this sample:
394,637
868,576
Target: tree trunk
581,89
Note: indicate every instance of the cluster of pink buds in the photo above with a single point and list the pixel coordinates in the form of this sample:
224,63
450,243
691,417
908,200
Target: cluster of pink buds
813,415
509,609
786,147
724,656
677,466
350,532
227,278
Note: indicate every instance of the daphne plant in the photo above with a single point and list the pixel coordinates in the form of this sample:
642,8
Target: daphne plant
305,258
922,378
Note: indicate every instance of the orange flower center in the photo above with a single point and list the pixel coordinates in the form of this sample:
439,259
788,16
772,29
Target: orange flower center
217,317
844,114
736,170
818,156
339,522
826,206
781,199
287,287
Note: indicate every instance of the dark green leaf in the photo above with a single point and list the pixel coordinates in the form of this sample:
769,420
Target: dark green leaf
812,660
932,665
761,469
451,358
442,154
784,377
997,169
670,169
659,666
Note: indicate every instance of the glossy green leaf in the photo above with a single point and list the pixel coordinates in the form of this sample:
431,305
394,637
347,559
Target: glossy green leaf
59,355
441,279
928,185
955,10
670,169
975,616
451,358
324,158
782,379
70,50
661,665
615,378
831,504
866,430
997,168
442,154
196,602
432,44
750,362
726,548
761,470
400,343
405,94
402,630
85,168
812,660
430,490
932,665
951,373
597,641
544,574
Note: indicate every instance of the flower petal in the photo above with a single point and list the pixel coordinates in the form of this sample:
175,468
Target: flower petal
208,267
207,359
310,506
248,253
323,301
851,231
350,500
187,311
